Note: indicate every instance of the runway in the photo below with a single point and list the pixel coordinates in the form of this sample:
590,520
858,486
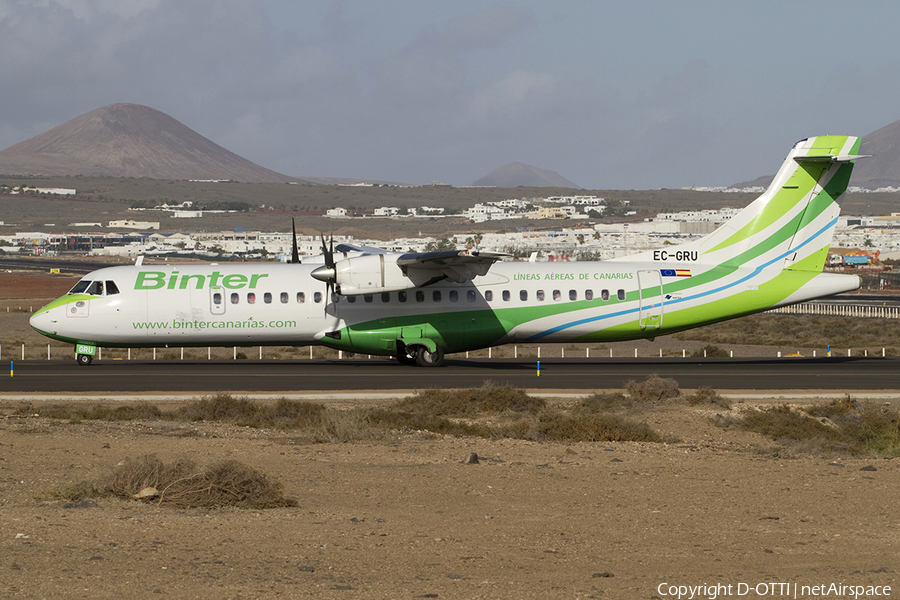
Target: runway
573,375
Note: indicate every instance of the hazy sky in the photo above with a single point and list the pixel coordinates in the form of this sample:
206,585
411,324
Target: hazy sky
610,94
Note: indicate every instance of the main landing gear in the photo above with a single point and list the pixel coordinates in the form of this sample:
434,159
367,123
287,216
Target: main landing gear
421,356
84,360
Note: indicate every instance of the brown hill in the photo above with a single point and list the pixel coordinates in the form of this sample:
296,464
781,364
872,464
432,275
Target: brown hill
518,174
883,169
130,140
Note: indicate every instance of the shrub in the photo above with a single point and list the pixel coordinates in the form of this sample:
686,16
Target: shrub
705,396
710,351
182,484
468,402
654,390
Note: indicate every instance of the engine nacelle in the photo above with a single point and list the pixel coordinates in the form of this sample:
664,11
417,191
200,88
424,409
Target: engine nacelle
370,274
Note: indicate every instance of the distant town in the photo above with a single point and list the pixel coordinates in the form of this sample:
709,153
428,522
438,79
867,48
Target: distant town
859,242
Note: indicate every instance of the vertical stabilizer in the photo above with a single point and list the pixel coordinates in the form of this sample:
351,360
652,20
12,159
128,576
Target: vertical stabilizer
796,216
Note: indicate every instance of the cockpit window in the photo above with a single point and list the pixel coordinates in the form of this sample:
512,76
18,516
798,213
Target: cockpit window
111,288
80,287
96,289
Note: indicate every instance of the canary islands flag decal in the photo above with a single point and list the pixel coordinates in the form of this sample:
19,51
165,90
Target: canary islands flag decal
675,272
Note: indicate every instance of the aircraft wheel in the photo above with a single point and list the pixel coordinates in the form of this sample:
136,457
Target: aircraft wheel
84,359
425,358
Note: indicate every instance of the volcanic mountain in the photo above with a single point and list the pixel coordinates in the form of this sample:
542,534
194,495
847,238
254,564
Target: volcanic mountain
130,140
517,174
881,170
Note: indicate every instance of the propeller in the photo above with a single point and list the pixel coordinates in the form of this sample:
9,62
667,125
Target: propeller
295,254
327,273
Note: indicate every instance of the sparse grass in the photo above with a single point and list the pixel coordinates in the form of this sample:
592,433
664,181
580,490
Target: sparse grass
96,412
708,396
488,411
489,398
555,425
801,331
841,427
710,351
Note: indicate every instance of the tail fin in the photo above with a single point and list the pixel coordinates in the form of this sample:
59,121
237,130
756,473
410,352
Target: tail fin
794,220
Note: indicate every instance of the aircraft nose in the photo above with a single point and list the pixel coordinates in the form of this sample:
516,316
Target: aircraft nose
44,321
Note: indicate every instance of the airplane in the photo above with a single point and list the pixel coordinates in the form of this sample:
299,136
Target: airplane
418,307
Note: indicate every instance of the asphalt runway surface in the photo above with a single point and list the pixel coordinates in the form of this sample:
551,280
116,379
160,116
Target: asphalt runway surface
196,376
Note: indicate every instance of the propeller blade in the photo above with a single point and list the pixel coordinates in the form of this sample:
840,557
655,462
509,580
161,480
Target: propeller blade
295,253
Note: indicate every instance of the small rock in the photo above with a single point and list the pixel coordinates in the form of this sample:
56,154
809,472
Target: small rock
105,446
307,569
147,492
603,574
472,459
869,468
617,460
21,536
771,518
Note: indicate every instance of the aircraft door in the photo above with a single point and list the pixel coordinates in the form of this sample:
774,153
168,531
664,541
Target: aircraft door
651,299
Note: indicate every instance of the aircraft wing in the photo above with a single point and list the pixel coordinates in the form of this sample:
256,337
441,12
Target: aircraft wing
347,248
456,265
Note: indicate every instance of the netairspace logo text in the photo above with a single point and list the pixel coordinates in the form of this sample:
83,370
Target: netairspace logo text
771,590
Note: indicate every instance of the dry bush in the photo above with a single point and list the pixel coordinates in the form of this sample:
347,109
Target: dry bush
223,407
489,398
840,427
180,483
708,396
654,390
99,412
555,425
402,420
710,351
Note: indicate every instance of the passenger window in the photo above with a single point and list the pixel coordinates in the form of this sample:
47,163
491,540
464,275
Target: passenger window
368,297
436,295
267,297
301,297
111,288
401,296
317,297
604,295
523,295
540,295
385,297
506,295
588,295
420,296
96,289
234,298
284,297
557,295
620,294
251,298
217,298
454,295
573,295
470,295
489,295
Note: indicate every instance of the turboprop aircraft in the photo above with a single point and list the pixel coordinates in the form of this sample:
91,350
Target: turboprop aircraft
419,306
